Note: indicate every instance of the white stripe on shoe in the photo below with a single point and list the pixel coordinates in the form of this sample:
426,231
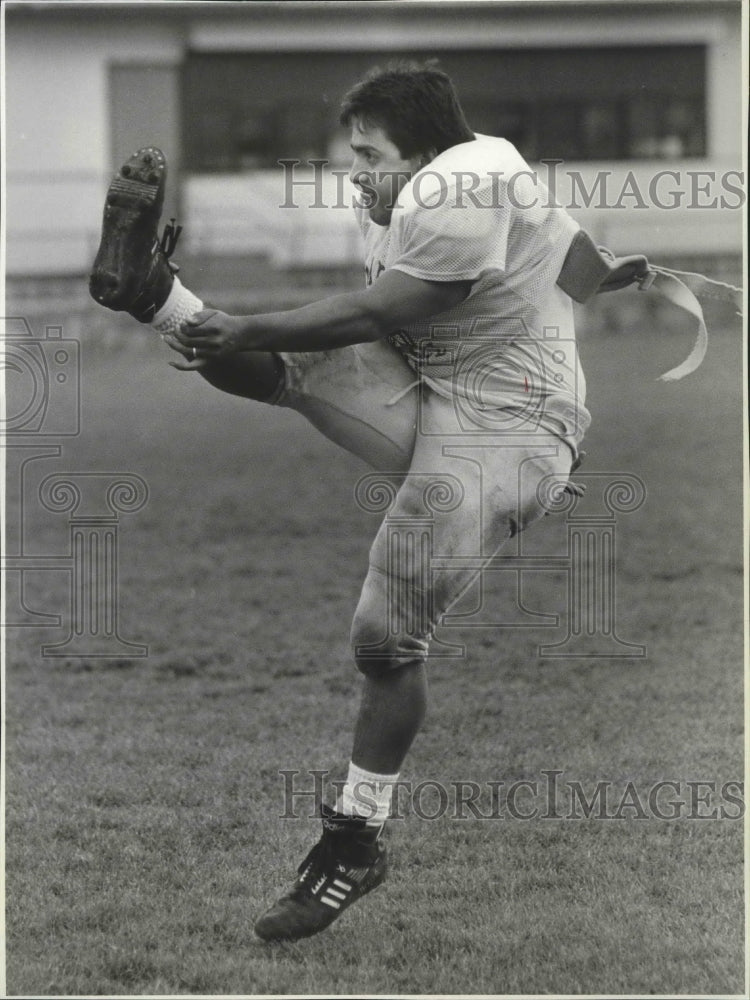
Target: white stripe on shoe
336,893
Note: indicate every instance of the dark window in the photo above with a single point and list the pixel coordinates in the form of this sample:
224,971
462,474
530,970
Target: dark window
673,127
248,110
512,120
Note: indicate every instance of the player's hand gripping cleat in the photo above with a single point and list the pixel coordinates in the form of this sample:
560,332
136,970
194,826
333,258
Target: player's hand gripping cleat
347,862
132,272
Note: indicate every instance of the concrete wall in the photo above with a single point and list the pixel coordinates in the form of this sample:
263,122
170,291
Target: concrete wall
57,129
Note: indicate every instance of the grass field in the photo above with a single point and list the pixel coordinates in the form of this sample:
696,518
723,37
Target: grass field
144,796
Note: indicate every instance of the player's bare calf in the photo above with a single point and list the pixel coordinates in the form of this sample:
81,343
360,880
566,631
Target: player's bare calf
131,272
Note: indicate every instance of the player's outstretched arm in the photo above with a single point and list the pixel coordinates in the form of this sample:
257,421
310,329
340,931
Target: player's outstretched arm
394,300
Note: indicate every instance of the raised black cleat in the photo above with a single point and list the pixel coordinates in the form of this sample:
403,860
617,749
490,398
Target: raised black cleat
132,272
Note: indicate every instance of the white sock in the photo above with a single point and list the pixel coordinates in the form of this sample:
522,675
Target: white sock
367,794
181,304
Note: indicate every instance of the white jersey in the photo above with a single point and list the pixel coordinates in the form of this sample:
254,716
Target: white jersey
477,213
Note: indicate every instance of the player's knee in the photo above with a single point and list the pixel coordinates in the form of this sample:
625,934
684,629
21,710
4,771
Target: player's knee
529,513
389,656
520,520
378,650
512,522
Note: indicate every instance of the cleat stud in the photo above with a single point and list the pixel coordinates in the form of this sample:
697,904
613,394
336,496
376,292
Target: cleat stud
126,171
153,177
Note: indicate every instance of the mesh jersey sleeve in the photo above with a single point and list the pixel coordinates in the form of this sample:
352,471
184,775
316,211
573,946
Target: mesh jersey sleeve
452,234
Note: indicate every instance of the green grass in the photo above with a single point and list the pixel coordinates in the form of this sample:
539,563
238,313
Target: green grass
144,796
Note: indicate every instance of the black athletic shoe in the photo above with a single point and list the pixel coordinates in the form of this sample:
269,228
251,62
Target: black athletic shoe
132,272
347,862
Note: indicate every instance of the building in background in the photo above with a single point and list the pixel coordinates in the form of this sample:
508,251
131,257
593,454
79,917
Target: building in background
639,100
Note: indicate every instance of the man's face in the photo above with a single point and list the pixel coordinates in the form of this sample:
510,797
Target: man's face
379,172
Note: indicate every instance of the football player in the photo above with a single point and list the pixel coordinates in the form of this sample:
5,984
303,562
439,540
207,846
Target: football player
454,369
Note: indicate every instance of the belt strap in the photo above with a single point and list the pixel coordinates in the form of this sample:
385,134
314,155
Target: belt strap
589,270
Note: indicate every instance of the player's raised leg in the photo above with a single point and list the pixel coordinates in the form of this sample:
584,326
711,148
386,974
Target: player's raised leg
358,397
133,273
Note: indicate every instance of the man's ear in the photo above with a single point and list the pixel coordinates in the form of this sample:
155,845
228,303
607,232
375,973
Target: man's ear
422,159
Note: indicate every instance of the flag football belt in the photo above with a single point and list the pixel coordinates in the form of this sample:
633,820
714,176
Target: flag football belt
589,270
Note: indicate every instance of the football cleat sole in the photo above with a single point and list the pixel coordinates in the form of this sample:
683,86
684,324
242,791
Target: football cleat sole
131,272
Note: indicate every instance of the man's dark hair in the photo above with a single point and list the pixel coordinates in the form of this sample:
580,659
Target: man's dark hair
415,105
